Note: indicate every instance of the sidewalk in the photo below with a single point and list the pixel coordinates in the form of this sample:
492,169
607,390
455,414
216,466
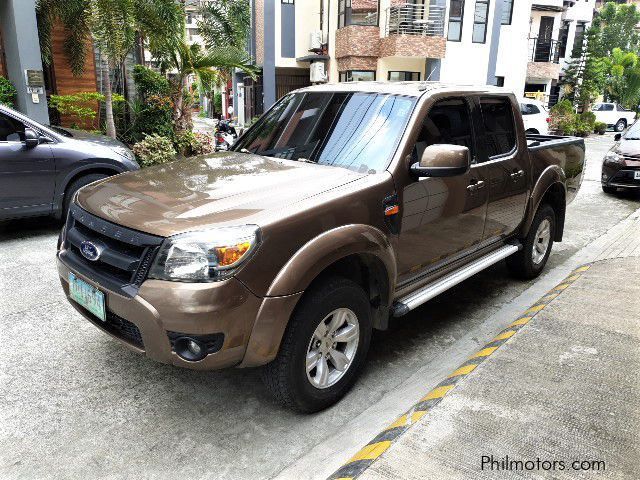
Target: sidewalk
561,384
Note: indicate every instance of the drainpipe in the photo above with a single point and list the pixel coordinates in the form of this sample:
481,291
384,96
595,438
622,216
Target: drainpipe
495,42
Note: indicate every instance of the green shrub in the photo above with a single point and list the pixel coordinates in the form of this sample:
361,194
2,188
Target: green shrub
84,106
154,150
600,127
149,82
588,118
562,118
7,92
583,129
189,143
217,102
153,113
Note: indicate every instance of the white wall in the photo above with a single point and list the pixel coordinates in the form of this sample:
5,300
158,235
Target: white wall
513,49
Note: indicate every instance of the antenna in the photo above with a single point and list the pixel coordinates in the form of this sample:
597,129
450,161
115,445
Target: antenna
431,73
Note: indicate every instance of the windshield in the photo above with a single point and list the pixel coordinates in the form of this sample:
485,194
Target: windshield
358,131
633,133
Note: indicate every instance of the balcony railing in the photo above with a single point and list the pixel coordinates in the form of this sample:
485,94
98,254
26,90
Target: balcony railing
412,19
544,50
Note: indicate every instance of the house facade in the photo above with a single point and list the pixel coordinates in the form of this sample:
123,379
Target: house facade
510,43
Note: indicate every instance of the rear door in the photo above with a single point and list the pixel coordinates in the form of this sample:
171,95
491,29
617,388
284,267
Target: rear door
506,163
442,217
27,175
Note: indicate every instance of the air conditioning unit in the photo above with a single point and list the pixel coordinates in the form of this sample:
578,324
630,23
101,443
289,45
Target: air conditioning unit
317,72
315,41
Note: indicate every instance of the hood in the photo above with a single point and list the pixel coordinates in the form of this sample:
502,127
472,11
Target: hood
95,138
628,148
219,189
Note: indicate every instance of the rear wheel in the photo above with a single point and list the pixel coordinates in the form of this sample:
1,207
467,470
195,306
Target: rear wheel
536,246
620,125
75,186
324,347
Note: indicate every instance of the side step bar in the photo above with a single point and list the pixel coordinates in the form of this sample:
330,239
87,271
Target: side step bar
405,304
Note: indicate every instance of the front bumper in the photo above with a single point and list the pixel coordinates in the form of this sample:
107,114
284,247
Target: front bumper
160,307
620,176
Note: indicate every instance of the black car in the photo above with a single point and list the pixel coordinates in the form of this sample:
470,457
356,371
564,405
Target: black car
42,167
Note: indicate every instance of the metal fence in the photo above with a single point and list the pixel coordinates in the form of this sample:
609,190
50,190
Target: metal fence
412,19
541,50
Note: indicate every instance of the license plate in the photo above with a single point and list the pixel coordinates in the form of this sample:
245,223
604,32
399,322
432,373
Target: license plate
87,296
636,175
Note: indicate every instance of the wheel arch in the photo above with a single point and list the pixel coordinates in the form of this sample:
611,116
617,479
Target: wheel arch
75,174
550,189
361,253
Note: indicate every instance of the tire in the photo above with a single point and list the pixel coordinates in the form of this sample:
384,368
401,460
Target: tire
527,264
609,190
532,131
620,125
76,185
287,378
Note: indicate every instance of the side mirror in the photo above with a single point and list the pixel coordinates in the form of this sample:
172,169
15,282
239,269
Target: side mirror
31,138
617,137
443,160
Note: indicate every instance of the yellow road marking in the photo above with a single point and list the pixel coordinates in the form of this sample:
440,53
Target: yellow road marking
504,335
583,269
418,415
400,422
572,278
437,393
520,321
371,452
463,370
485,352
535,309
562,286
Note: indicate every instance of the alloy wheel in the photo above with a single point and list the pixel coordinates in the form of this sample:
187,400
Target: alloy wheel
541,242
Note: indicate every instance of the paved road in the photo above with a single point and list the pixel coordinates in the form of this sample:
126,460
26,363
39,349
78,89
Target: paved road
76,404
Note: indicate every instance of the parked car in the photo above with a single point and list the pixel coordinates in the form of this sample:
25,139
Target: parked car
613,115
42,167
535,116
621,165
342,206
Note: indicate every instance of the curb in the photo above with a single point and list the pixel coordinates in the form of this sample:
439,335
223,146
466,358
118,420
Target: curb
362,460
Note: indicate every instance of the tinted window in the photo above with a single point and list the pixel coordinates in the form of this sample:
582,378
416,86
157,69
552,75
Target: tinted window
529,109
603,107
11,130
448,122
500,136
358,131
634,132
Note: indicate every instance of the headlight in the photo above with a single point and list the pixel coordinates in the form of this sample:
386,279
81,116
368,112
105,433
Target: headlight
612,157
205,256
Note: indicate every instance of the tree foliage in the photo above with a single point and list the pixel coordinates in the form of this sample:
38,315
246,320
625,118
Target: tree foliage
225,23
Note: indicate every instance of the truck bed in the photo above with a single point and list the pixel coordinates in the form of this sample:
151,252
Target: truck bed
563,151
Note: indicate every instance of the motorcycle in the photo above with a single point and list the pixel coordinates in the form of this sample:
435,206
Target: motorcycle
225,135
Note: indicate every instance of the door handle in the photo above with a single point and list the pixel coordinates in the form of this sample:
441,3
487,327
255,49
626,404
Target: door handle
517,174
476,185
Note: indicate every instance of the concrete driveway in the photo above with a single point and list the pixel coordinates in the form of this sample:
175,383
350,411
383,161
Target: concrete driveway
77,404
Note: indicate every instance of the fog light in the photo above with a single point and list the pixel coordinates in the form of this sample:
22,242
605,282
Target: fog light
190,349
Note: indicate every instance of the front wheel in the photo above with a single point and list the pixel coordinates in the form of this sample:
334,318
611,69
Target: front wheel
620,125
324,347
75,186
536,246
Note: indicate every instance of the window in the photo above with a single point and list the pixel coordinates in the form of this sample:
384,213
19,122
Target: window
449,122
499,81
507,12
499,130
367,15
403,76
480,21
578,39
456,12
357,76
562,39
529,109
358,131
288,2
603,107
11,130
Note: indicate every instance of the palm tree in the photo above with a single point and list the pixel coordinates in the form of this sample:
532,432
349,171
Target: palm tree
114,25
207,66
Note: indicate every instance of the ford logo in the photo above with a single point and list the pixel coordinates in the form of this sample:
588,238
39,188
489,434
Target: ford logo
90,251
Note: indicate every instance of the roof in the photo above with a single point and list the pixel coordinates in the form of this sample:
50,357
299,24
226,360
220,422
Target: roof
415,89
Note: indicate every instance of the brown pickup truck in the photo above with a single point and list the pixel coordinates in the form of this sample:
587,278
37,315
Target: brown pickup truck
342,206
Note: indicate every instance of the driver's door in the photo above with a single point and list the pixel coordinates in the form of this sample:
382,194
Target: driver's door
27,175
442,217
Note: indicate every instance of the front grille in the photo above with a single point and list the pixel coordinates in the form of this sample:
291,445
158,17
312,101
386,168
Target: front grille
126,254
123,329
625,177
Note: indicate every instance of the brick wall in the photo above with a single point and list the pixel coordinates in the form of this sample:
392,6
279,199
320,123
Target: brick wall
543,70
357,63
259,27
364,5
413,46
357,41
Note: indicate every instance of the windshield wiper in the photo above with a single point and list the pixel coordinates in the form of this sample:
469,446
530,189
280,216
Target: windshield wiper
632,138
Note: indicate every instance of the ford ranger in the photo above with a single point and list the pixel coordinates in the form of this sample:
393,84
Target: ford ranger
342,206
